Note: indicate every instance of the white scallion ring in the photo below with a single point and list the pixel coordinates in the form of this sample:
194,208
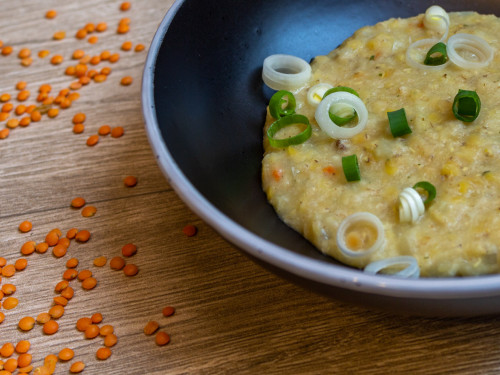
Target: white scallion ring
411,205
420,65
329,127
285,72
364,218
411,271
479,51
437,19
315,93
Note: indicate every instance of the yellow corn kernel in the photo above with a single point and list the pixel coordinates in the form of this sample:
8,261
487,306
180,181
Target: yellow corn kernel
463,186
449,169
291,150
473,140
354,44
390,167
489,176
435,117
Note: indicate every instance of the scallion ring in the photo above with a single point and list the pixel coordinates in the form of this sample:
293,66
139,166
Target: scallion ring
438,49
316,93
340,88
283,122
282,103
341,113
365,225
411,271
429,188
437,19
351,168
466,105
411,206
469,51
398,123
417,62
285,72
322,115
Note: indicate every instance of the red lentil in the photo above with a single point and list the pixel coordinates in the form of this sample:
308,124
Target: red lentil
7,50
125,6
106,330
139,47
117,132
130,181
56,311
127,45
68,293
28,248
9,270
23,53
50,327
117,263
93,39
110,340
53,112
99,78
162,338
23,346
4,133
190,230
66,354
151,327
126,81
27,323
96,318
92,140
89,283
56,59
72,263
24,360
168,311
51,14
92,331
59,35
20,264
103,353
42,247
82,236
71,233
77,367
130,270
60,301
104,130
9,303
10,365
89,211
114,57
129,249
70,274
43,53
43,318
59,251
12,123
7,349
78,128
100,261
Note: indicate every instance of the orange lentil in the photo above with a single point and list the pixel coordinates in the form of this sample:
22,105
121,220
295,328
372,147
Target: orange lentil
50,363
103,353
23,346
65,103
10,365
92,73
139,47
93,39
20,109
50,327
125,6
77,367
84,274
24,360
68,293
66,354
83,323
23,95
92,331
127,45
7,349
72,263
9,303
43,53
52,238
7,50
53,112
84,80
90,27
100,261
30,108
4,116
59,35
151,327
25,121
79,118
3,262
42,96
27,323
104,130
98,78
78,54
124,21
64,241
59,98
74,95
9,270
21,85
114,57
46,104
59,251
81,34
92,140
105,55
27,61
78,128
25,226
129,249
45,88
60,301
20,264
78,202
71,233
89,211
126,81
130,269
61,285
117,132
162,338
7,107
123,28
117,263
85,59
2,317
130,181
36,116
12,123
42,247
28,248
106,330
70,70
4,133
64,92
110,340
82,235
75,85
5,97
23,53
89,283
51,14
94,60
56,59
101,26
168,311
56,311
190,230
106,71
8,289
70,274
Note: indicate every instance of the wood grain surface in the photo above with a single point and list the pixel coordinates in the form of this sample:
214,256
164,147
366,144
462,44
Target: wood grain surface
232,317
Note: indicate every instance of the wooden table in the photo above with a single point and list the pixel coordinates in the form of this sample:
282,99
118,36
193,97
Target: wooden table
232,317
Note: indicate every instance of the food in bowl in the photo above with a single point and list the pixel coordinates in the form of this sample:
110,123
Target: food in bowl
396,168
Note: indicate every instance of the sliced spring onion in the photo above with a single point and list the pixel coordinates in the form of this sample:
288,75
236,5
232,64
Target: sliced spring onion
282,103
322,115
360,219
411,206
285,121
316,93
469,51
466,105
351,168
340,88
285,72
418,62
429,188
341,113
436,18
411,271
438,49
398,123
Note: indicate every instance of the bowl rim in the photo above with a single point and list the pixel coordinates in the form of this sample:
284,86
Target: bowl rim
326,273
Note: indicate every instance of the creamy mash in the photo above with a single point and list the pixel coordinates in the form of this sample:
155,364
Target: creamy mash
459,232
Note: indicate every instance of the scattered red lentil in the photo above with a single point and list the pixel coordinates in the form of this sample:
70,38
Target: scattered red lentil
71,233
53,112
82,236
23,346
56,311
89,283
23,53
4,133
78,128
7,50
92,331
89,211
27,323
96,318
168,311
84,274
66,354
59,35
114,57
130,181
2,317
81,34
56,59
5,97
7,349
78,54
103,353
10,365
42,247
21,264
72,263
25,226
127,45
110,340
117,263
125,6
59,251
61,285
117,132
9,303
190,230
83,323
139,47
100,261
77,367
99,78
50,327
151,327
9,270
51,14
126,81
129,249
162,338
92,140
101,26
130,269
12,123
93,39
70,274
60,301
43,53
104,130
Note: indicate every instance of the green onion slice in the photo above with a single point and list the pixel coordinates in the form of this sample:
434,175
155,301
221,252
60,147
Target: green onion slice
351,168
398,123
282,103
287,121
437,55
429,188
466,105
341,114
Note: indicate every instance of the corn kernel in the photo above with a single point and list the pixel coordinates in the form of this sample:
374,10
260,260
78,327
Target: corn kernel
390,167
